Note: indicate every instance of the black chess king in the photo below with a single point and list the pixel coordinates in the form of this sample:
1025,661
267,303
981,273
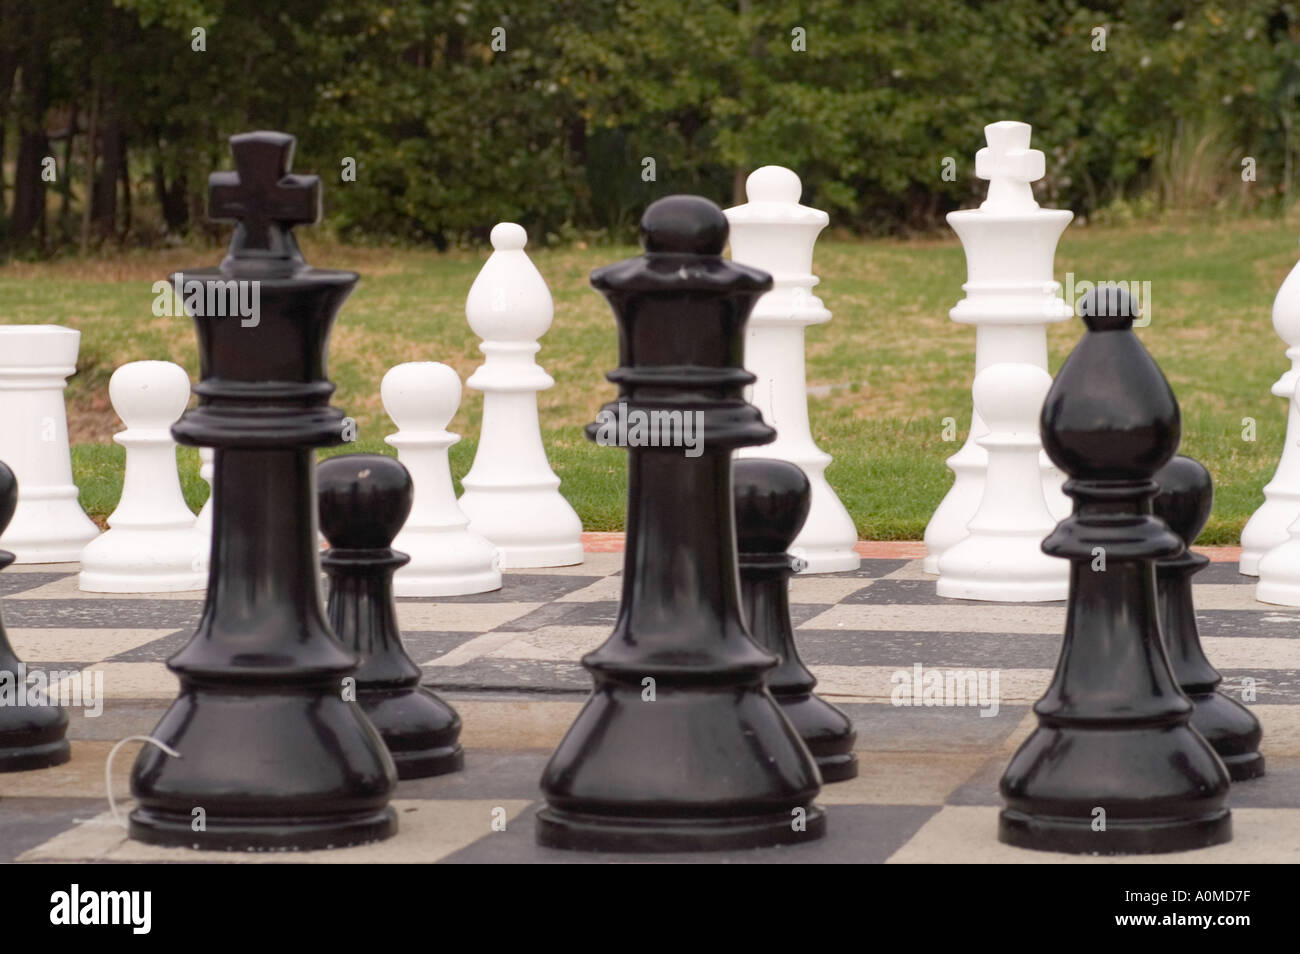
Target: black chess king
681,747
1114,766
271,755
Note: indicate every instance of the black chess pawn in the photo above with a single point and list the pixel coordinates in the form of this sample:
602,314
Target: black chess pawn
272,755
1114,766
772,499
1184,502
364,500
680,746
32,725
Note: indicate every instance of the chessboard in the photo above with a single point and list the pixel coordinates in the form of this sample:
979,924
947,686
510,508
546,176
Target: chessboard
508,661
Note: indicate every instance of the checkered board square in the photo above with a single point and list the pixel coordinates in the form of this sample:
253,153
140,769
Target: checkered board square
508,661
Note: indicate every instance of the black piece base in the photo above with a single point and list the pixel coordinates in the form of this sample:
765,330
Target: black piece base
322,778
31,736
1232,731
1242,768
1161,787
252,834
837,768
579,832
826,731
419,729
25,758
428,763
1121,837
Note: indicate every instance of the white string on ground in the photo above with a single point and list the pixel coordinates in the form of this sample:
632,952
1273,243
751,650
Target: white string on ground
108,768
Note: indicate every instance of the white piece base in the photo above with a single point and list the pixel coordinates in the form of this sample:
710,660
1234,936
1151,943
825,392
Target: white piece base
462,584
826,541
526,557
136,561
1279,575
1002,570
1267,529
50,528
947,527
826,560
446,562
530,527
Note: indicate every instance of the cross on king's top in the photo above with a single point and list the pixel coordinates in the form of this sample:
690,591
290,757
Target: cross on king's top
265,200
1009,165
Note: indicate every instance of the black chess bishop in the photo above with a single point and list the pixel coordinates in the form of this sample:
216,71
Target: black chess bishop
1114,766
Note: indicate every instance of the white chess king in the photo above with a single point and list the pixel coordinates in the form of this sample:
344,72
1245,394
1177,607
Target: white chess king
512,497
1001,558
772,231
151,545
447,559
1011,297
1267,526
49,525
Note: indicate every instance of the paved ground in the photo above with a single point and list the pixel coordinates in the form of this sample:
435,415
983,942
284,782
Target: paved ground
507,661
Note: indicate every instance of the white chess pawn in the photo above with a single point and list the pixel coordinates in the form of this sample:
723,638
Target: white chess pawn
1267,526
512,497
48,525
150,546
1011,297
772,231
447,558
1000,558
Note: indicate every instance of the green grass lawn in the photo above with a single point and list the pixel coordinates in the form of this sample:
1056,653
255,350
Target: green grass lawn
895,365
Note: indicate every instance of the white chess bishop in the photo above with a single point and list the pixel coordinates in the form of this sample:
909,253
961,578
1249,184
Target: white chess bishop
151,545
1011,297
772,231
48,525
1000,559
512,497
1267,526
447,558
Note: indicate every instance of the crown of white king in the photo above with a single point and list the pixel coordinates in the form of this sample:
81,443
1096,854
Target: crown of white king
1010,166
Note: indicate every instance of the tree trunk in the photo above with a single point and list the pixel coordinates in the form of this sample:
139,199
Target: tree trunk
113,154
65,184
29,187
126,195
172,201
92,143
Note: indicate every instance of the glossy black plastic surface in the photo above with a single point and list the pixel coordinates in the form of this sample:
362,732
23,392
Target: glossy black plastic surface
272,756
32,730
1184,502
772,501
1114,765
364,500
680,746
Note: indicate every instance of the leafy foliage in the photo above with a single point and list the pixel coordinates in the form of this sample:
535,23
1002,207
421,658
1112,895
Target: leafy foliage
459,113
